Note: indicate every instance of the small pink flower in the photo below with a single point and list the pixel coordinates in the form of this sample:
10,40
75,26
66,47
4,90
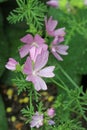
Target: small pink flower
50,28
53,3
51,112
85,2
50,25
11,64
37,120
58,49
51,122
35,72
30,42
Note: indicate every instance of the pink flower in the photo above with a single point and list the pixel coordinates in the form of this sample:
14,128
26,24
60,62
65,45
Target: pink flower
51,112
35,72
51,122
37,120
34,53
85,2
58,49
53,3
50,28
11,64
30,42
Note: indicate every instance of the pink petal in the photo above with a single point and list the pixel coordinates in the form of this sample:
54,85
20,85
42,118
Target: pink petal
13,61
34,52
50,24
63,47
28,66
10,67
11,64
62,52
27,39
40,84
60,32
38,39
57,56
47,72
41,60
23,51
53,3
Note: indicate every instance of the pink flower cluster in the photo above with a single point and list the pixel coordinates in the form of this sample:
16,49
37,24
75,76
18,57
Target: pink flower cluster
38,118
58,35
37,51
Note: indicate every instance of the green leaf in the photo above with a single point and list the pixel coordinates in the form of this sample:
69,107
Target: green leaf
14,33
75,63
3,120
3,48
29,11
2,1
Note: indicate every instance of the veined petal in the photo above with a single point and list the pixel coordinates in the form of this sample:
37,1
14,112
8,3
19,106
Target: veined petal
34,52
60,32
10,67
62,52
50,25
28,66
53,3
27,39
38,39
11,64
40,84
57,56
47,72
63,47
23,51
41,60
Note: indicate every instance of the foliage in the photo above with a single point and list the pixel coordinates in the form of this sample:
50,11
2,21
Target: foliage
71,102
31,11
75,63
3,45
3,126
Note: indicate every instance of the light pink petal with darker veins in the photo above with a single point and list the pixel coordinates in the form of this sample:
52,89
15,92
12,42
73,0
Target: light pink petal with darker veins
27,39
28,66
60,32
61,49
34,52
57,56
47,72
13,61
40,84
38,39
41,60
50,24
53,3
23,51
10,66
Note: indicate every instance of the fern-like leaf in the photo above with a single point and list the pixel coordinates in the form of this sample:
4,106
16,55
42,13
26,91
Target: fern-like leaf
31,11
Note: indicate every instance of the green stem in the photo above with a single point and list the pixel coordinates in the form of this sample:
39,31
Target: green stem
68,77
59,85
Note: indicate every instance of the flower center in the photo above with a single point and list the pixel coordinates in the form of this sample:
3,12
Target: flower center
53,49
35,44
34,73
